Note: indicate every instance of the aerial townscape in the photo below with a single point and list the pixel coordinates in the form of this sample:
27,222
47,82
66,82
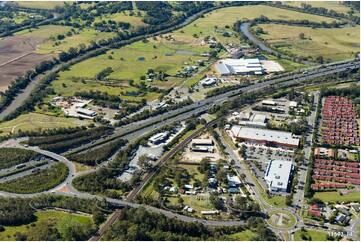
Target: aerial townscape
179,120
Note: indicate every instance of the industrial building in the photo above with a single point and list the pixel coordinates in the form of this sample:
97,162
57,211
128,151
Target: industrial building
209,81
203,142
265,136
278,175
228,67
86,112
158,138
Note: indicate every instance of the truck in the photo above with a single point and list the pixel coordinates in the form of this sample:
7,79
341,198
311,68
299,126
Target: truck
20,166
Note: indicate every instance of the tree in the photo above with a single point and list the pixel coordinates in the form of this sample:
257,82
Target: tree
144,162
319,59
301,35
98,217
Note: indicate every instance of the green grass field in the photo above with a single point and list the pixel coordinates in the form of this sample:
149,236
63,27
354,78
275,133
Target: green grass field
123,17
314,234
36,121
45,31
334,196
335,44
49,4
330,5
246,235
62,220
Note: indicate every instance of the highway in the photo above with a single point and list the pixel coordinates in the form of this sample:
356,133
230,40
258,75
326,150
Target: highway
183,113
143,126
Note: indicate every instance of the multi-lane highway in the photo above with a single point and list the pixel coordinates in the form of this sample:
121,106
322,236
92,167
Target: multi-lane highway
137,129
142,127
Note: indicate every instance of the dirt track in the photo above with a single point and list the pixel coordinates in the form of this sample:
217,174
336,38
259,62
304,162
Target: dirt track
16,57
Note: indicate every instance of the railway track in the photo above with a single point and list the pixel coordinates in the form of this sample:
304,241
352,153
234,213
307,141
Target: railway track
149,176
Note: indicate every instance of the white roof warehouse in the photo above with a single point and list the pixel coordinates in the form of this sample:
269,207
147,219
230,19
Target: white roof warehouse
278,175
265,136
240,67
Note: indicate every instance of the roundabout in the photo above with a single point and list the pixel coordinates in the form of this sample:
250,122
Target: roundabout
281,219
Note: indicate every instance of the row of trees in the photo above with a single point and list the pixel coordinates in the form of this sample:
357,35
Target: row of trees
263,19
99,155
62,142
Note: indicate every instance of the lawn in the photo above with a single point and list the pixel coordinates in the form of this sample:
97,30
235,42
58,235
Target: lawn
314,234
332,43
62,219
246,235
192,169
36,121
275,201
334,196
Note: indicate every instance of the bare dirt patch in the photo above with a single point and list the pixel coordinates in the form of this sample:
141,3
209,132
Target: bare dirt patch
17,57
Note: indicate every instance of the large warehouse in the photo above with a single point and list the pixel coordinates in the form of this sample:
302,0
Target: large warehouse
278,175
265,136
228,67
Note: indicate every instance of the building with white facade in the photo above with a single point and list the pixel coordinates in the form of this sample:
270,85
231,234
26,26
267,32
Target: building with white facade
228,67
278,175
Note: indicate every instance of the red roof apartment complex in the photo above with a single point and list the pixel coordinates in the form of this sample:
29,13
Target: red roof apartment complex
339,122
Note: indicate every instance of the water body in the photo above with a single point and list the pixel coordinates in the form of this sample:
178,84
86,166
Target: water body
141,58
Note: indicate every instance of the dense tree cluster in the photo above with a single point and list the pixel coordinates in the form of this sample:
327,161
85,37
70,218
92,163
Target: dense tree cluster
62,142
99,155
14,156
137,224
14,211
37,182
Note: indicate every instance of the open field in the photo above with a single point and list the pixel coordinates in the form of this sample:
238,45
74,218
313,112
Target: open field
126,66
334,44
123,17
17,57
36,121
334,196
228,16
330,5
61,220
313,235
50,4
246,235
45,31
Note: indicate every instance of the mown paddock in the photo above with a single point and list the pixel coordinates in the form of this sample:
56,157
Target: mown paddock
34,121
333,43
61,220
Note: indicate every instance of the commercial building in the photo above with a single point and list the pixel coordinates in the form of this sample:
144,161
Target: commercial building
209,81
278,175
157,138
86,112
269,103
203,142
240,67
265,136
